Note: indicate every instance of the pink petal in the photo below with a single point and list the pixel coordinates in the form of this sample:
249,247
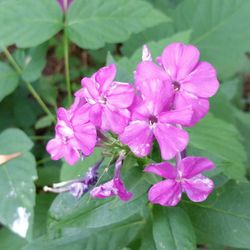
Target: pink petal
191,166
115,119
90,90
171,140
148,71
103,191
54,148
120,95
139,137
70,154
181,116
179,60
81,115
63,114
156,95
200,106
163,169
122,191
198,188
165,193
202,81
85,135
105,76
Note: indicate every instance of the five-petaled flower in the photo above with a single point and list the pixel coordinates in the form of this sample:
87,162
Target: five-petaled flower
186,177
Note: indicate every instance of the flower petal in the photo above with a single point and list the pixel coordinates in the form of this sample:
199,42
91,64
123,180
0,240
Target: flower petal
191,166
202,81
171,140
165,193
139,137
178,116
90,90
105,76
54,148
200,106
115,119
71,155
179,60
122,191
120,95
103,191
198,188
163,169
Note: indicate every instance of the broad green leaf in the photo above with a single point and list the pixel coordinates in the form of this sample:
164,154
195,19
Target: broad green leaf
10,241
8,80
116,237
156,48
67,212
91,24
225,217
223,140
172,229
28,23
220,30
32,61
17,190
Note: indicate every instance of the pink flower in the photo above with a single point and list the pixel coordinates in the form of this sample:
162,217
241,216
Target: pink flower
152,118
193,81
114,187
64,4
187,177
74,135
108,100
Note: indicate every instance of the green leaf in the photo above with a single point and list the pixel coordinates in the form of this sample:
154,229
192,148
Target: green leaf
222,140
128,65
32,61
8,80
220,30
28,23
116,237
91,24
10,241
225,217
172,229
17,192
43,122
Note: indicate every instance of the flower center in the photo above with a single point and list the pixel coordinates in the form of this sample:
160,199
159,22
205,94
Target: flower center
102,100
176,85
153,120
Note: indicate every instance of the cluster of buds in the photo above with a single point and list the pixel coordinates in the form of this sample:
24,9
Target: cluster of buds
166,96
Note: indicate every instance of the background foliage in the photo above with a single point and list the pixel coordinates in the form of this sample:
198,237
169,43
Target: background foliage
35,41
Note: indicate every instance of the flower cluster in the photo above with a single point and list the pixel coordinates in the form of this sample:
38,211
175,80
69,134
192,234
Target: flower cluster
166,96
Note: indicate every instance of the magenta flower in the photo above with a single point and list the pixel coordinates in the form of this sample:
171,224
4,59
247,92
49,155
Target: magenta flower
152,118
74,135
114,187
64,4
187,177
108,101
193,81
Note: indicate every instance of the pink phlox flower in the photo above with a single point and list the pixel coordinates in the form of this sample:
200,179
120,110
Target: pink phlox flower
114,187
75,135
64,4
153,118
186,177
108,100
192,81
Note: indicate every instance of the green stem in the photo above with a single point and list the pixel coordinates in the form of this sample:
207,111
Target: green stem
28,84
66,64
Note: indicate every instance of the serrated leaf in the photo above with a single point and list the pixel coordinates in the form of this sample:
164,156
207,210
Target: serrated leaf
223,140
91,24
8,80
220,30
172,229
28,23
224,218
17,192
